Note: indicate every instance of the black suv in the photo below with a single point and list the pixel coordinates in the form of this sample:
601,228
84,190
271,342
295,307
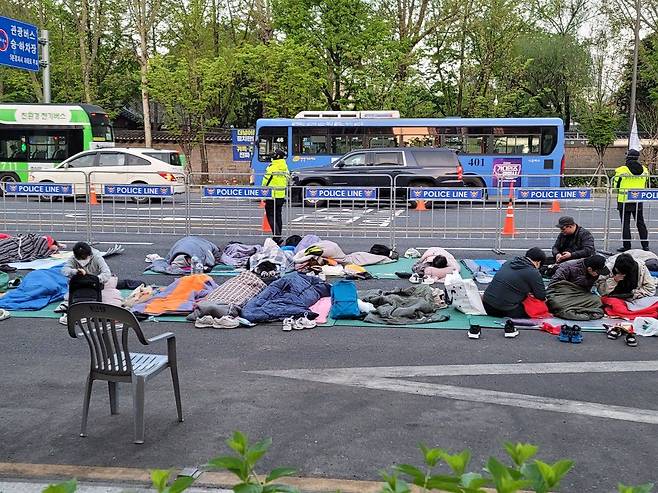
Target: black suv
402,166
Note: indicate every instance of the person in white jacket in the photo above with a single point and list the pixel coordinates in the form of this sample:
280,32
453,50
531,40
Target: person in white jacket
628,279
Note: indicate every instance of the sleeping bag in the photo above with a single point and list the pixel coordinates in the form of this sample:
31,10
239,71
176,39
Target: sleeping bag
38,289
290,296
179,297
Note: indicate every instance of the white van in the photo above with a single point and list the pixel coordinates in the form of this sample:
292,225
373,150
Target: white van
117,166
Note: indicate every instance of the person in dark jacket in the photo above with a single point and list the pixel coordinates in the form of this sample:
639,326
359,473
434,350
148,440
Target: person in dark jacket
515,280
582,272
573,242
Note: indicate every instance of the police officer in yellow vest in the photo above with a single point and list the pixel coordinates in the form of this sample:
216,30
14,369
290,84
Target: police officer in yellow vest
631,176
276,177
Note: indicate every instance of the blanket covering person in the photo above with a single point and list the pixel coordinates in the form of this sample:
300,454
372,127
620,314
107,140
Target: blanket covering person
424,265
571,302
238,254
325,251
637,281
401,306
26,247
38,289
615,307
271,255
188,247
289,296
179,297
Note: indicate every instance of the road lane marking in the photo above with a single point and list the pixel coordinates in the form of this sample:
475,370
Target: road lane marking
395,379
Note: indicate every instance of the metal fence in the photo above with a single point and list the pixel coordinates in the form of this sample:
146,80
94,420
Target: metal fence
394,211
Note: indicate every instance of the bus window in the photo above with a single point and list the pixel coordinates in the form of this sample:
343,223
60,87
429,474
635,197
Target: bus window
380,141
475,144
12,147
344,140
48,147
101,129
548,140
271,139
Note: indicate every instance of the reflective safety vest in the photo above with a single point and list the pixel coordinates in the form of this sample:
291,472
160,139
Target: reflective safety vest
624,181
276,177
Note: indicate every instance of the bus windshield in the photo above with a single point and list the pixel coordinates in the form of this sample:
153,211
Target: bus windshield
101,129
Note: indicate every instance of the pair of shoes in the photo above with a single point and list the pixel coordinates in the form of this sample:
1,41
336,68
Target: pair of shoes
209,322
614,332
416,278
63,307
623,249
304,322
570,334
475,331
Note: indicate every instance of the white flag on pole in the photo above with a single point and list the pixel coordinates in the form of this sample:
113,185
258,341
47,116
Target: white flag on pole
633,138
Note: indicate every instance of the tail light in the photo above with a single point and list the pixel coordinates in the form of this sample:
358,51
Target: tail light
168,176
460,172
563,165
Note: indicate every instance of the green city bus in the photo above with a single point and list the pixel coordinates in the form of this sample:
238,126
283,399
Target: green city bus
39,136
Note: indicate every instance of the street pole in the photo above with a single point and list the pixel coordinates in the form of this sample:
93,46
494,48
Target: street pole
45,64
636,50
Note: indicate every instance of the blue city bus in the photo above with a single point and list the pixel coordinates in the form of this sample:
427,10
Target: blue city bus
526,151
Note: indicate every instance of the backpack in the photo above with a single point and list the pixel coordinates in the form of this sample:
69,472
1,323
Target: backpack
344,301
85,288
378,249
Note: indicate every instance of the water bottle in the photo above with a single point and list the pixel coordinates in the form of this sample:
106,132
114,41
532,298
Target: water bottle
197,266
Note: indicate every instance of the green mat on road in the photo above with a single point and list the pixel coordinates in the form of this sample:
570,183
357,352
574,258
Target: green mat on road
458,321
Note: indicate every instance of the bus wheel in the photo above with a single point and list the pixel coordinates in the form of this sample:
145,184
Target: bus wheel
313,202
139,200
7,178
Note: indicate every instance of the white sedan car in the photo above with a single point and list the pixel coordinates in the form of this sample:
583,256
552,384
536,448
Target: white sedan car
118,166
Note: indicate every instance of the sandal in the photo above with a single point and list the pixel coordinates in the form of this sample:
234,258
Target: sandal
415,279
613,333
631,340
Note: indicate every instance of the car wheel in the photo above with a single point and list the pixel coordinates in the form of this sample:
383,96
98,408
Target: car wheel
48,198
312,202
139,200
476,183
413,204
7,178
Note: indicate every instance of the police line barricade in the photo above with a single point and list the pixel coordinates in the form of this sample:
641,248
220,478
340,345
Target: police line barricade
640,209
224,204
445,215
537,209
50,203
137,203
343,211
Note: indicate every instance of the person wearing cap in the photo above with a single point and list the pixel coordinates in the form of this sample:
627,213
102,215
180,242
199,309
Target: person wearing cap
276,178
574,242
582,272
629,278
516,279
631,176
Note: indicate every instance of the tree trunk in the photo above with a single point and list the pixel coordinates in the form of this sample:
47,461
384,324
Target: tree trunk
83,27
567,110
146,109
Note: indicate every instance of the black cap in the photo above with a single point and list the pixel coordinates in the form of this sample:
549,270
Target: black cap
633,153
597,263
565,221
536,254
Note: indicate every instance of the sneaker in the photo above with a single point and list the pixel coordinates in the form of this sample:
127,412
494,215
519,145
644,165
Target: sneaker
576,335
565,334
205,322
63,307
631,340
287,324
474,332
415,279
304,323
510,330
64,319
225,322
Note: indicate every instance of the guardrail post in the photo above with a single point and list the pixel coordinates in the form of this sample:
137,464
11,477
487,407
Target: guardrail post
88,201
606,227
393,212
188,208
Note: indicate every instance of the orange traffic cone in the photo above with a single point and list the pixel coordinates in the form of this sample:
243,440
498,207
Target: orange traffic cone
261,205
555,206
265,226
508,226
420,205
93,200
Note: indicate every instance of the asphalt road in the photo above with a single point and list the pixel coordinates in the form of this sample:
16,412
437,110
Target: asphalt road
464,225
337,423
